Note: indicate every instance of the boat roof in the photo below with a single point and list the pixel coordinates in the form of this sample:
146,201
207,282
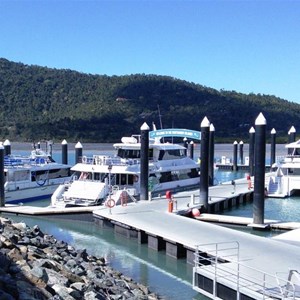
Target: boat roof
290,165
118,169
159,146
37,167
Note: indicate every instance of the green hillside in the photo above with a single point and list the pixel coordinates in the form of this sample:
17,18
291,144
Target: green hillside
43,103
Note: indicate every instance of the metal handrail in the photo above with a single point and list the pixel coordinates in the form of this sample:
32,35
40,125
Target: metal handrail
261,282
108,160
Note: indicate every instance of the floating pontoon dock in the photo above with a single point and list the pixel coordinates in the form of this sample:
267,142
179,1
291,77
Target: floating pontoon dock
229,264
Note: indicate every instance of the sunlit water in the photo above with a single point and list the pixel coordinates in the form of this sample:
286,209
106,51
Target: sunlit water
164,275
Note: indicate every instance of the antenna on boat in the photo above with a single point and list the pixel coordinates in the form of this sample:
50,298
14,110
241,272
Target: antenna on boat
156,139
160,121
159,115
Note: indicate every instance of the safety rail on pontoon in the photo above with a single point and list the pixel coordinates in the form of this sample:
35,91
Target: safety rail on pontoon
220,263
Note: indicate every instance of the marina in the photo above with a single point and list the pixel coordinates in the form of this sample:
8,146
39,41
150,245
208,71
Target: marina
205,206
186,199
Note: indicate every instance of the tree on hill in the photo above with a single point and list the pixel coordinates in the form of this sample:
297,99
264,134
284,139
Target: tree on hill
43,103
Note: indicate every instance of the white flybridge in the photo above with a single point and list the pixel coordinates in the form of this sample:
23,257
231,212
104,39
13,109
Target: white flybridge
116,179
285,180
33,177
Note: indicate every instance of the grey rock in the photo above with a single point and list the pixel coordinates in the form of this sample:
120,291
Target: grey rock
63,292
6,296
34,265
15,254
19,226
4,261
39,273
79,271
92,296
55,278
71,263
76,294
79,286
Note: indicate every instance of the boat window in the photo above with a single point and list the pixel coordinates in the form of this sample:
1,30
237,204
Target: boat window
130,179
296,171
50,174
194,173
124,179
171,154
165,177
150,154
161,154
297,151
129,153
179,175
96,176
19,176
133,153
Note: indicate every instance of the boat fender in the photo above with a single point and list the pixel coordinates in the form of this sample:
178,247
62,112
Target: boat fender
110,203
84,159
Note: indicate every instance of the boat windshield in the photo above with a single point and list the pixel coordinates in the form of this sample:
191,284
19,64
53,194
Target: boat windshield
132,153
129,153
171,154
296,152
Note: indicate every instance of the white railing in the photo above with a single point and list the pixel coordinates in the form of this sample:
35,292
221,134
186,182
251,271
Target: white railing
108,160
220,263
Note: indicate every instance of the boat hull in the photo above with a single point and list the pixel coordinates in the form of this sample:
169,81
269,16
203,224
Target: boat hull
30,194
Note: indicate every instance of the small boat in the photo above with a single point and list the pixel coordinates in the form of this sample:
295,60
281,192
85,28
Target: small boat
103,178
33,177
285,178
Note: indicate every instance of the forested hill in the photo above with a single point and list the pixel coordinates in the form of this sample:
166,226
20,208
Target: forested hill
43,103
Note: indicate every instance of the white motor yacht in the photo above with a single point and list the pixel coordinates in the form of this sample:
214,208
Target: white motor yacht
117,178
33,177
285,178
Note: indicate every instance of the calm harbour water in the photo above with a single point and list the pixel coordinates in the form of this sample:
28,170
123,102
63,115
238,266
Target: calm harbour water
163,275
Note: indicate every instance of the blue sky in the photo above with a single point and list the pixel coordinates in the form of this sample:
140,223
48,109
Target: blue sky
245,46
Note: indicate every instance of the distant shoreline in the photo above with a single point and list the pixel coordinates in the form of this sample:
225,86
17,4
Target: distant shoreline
220,149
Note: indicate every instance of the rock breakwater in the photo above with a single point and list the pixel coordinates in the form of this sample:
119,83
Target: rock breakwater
35,265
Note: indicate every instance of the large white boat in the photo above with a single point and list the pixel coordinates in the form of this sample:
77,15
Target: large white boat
117,178
33,177
284,181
